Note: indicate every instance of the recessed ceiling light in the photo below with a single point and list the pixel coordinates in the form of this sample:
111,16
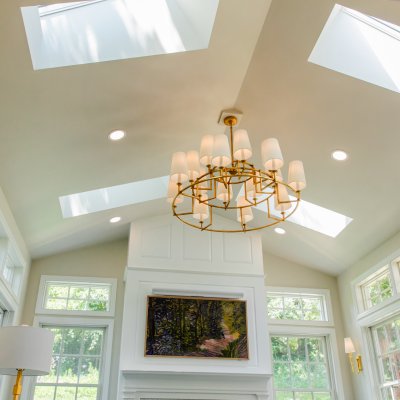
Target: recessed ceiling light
280,231
115,219
339,155
116,135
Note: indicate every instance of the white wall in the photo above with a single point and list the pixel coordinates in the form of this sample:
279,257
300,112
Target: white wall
283,273
362,384
105,260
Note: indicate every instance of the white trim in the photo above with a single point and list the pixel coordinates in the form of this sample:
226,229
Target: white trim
325,293
75,279
331,342
106,323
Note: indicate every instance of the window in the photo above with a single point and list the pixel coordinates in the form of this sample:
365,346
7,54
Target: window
65,295
77,296
307,306
12,274
296,306
303,344
76,367
301,369
377,288
386,339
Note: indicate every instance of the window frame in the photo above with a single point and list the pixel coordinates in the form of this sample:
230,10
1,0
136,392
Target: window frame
392,264
104,323
324,329
331,348
40,302
289,291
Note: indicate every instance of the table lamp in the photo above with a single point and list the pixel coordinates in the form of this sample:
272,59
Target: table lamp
25,350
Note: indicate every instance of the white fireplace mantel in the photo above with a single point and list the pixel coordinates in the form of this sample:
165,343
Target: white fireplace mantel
167,257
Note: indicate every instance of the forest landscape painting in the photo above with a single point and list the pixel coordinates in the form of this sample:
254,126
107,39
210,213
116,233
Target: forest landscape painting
196,327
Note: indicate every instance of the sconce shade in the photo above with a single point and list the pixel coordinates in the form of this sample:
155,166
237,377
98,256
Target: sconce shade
348,346
27,348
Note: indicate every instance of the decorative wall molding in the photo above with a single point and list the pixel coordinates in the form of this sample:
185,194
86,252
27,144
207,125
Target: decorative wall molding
166,257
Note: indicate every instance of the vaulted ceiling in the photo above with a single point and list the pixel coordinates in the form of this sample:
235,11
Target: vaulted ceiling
54,125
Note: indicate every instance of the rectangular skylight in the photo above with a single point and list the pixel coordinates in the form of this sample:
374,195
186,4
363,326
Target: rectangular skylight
311,216
74,205
361,46
103,30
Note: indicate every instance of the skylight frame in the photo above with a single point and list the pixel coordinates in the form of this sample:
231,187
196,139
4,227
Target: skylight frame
374,22
59,8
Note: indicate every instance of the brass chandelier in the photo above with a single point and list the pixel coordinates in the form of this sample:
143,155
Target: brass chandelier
222,178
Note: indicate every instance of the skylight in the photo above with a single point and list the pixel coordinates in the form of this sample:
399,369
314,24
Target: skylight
77,204
360,46
309,215
103,30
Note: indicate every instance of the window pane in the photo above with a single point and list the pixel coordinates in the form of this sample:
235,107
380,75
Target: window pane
87,393
282,377
90,371
44,392
284,395
65,393
303,396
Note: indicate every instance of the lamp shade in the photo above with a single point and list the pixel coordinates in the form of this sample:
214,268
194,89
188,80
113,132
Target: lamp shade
245,214
282,200
179,170
172,192
296,178
27,348
223,193
241,145
193,164
271,154
348,346
200,210
206,149
221,152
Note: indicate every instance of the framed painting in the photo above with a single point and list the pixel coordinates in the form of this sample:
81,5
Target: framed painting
196,327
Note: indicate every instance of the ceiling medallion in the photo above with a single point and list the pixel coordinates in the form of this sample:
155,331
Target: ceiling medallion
222,178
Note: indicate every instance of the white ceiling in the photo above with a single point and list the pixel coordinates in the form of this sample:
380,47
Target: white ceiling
54,125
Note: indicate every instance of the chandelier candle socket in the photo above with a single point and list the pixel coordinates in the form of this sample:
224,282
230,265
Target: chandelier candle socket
228,182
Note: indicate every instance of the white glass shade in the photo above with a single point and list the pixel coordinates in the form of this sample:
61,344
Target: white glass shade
296,177
244,215
193,164
282,198
172,192
179,170
206,149
241,145
223,193
271,154
221,153
200,210
27,348
348,346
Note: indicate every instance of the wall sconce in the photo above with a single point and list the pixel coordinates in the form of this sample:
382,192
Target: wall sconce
350,349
